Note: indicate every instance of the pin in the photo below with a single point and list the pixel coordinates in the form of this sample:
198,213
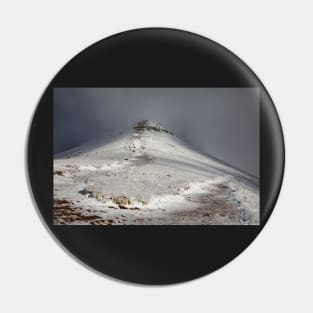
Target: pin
155,156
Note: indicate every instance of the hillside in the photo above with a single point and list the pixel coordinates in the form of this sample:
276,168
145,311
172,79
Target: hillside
148,176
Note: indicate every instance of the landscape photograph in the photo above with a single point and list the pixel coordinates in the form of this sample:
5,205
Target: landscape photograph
156,156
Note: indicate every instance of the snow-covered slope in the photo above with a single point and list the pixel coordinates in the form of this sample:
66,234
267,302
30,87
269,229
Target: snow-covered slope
149,176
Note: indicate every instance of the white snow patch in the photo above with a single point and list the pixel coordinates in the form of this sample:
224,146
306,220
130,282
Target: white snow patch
166,201
137,143
203,186
104,167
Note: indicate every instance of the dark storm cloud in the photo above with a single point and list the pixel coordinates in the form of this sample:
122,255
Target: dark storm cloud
222,122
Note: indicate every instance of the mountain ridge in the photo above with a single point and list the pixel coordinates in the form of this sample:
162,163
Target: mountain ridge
140,127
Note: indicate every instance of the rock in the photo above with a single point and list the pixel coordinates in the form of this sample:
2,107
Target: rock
121,201
60,173
85,192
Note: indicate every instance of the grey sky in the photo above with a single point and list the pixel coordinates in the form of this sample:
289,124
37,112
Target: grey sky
222,122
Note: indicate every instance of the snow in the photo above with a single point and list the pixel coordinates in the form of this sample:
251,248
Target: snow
148,176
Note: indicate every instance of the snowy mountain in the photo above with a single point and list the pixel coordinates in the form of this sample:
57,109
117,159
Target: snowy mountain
149,176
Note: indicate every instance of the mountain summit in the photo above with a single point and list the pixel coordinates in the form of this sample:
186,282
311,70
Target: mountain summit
149,125
147,176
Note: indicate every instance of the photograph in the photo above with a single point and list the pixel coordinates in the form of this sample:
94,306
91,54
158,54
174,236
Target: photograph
156,156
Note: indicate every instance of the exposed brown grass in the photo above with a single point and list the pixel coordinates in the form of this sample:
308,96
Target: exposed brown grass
65,213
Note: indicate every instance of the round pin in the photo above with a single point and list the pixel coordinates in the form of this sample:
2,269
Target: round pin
155,156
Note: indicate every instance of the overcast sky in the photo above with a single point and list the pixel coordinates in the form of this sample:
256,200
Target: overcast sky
222,122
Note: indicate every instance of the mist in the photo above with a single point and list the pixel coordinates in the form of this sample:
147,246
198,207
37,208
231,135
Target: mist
220,122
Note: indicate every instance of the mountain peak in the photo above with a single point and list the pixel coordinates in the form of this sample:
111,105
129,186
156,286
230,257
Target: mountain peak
149,125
